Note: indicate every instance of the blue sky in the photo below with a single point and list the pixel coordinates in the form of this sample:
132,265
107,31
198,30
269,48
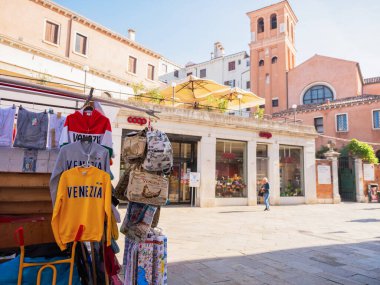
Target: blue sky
185,31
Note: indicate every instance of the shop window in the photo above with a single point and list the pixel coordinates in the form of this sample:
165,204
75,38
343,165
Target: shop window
202,73
231,169
341,123
176,73
261,62
376,119
231,65
51,32
291,171
275,102
132,63
317,94
150,72
80,44
260,25
318,124
273,21
274,59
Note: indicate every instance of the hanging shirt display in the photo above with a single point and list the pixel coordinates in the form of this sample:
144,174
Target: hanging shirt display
7,117
83,198
56,122
32,129
77,154
83,123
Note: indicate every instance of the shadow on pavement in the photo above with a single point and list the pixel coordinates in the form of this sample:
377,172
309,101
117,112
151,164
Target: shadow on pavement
355,263
365,221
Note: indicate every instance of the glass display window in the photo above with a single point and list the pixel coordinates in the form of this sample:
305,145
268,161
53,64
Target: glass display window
291,171
231,169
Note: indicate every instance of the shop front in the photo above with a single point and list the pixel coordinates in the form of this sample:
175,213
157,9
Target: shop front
184,162
232,156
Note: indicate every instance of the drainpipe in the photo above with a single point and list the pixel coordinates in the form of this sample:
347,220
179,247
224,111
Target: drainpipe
68,46
241,79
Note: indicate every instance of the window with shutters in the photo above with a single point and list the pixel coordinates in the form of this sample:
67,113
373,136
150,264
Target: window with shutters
150,72
51,32
341,123
81,44
376,119
132,63
318,124
202,73
231,65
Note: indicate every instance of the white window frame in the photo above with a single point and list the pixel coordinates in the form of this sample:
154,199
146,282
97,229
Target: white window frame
372,117
336,123
75,42
59,33
323,124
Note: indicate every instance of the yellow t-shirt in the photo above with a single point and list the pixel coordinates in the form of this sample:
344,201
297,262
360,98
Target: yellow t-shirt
83,198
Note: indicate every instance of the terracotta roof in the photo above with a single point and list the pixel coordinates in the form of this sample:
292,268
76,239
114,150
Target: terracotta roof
349,101
372,80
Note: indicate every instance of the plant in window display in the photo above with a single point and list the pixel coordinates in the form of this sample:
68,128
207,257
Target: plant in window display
230,186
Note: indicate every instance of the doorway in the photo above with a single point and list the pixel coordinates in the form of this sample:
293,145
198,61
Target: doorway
184,162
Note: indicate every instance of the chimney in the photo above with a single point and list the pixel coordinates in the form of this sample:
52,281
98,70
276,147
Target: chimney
131,35
218,50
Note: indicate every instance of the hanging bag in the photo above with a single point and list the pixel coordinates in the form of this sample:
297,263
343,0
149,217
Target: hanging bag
121,187
159,155
147,188
134,145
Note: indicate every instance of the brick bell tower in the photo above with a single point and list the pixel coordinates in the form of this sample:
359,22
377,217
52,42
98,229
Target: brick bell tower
272,53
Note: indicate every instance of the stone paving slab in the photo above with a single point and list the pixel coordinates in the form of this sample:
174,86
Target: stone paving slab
290,245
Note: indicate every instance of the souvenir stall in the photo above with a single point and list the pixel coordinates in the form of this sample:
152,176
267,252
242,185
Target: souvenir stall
58,209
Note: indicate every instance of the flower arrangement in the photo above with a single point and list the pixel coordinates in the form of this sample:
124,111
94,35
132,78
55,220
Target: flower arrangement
230,186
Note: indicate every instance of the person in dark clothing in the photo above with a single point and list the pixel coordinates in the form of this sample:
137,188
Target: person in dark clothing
265,190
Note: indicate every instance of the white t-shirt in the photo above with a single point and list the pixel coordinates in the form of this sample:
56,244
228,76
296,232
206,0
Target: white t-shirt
7,118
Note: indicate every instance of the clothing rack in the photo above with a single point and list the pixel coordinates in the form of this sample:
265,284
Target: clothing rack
39,104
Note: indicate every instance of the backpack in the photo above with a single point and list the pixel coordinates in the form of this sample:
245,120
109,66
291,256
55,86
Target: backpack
159,156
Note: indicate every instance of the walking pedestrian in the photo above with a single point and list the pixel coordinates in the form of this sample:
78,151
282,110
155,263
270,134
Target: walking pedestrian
265,190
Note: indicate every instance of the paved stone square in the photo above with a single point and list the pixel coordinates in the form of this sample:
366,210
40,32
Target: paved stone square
304,244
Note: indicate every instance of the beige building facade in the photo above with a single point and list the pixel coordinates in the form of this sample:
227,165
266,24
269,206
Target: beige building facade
51,43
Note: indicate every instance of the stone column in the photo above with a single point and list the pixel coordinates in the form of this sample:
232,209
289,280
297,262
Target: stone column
333,157
207,164
274,172
359,181
251,173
